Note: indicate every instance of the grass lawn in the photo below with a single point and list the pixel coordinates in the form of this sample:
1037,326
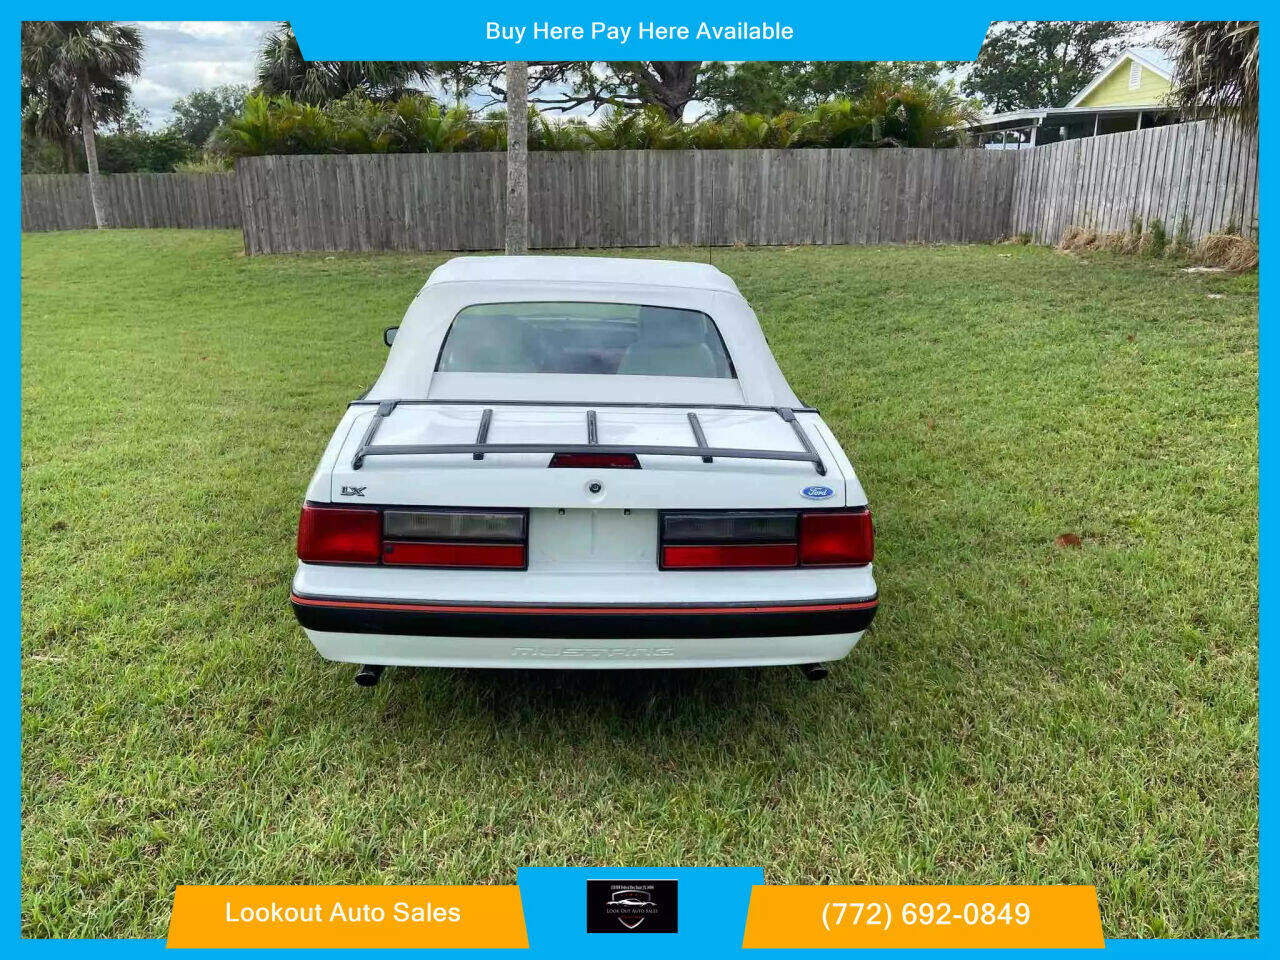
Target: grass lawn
1021,712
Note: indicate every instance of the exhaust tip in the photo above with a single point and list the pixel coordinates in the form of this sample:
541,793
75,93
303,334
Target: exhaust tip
814,671
368,674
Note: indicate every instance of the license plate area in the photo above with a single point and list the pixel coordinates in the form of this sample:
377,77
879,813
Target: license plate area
592,539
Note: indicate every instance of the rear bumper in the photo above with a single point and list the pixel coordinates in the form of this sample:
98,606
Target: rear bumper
597,636
596,622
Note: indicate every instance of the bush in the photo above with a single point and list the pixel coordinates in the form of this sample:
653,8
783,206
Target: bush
742,131
903,116
1181,245
1156,241
890,117
141,152
205,163
1228,250
43,156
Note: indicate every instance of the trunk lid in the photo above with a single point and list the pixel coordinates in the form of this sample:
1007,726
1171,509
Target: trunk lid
525,480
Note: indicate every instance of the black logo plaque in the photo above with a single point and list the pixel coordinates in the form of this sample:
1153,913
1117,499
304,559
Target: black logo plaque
631,906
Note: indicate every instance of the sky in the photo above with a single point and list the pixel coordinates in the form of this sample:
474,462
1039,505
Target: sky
185,55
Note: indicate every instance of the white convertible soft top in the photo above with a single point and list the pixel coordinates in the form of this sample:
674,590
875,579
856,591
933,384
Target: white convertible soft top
410,373
660,273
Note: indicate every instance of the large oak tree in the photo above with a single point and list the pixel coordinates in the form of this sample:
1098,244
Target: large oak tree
771,87
1027,64
572,84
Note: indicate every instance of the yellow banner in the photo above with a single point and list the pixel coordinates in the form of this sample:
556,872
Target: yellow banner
365,917
844,917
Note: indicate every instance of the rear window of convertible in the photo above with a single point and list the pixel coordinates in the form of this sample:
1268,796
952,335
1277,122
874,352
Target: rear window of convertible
609,338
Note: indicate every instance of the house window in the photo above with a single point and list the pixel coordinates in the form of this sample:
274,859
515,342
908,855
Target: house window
1135,74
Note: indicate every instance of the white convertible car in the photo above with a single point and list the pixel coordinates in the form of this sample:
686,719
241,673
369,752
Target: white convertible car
582,462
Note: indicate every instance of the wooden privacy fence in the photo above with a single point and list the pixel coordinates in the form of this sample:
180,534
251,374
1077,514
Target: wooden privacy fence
61,201
1195,178
631,198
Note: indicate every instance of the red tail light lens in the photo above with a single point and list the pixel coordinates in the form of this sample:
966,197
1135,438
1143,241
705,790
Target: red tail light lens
596,461
712,556
338,535
455,538
443,537
402,553
837,538
721,539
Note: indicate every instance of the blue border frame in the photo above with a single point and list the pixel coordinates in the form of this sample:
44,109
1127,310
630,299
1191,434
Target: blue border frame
824,30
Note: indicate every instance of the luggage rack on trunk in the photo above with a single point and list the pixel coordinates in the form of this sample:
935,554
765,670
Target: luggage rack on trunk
481,446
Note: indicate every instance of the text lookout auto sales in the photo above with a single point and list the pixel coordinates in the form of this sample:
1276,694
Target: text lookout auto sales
339,913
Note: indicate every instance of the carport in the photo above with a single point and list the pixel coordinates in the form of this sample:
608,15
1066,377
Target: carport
1030,128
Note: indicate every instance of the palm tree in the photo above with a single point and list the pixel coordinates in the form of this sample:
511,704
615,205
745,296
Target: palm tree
1216,67
44,116
283,70
74,75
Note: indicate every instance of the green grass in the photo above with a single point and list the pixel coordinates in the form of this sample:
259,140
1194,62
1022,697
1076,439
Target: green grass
1020,713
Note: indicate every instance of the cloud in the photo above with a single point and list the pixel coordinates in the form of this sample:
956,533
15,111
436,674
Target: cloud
205,28
185,55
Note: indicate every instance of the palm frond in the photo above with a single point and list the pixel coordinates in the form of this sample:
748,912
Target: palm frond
1216,68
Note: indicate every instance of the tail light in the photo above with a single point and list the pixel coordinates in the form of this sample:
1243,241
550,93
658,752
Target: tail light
607,461
839,538
454,538
747,539
454,525
410,554
723,555
419,538
339,535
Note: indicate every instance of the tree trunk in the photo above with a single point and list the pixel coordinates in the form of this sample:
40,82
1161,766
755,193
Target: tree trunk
70,146
91,156
517,235
670,84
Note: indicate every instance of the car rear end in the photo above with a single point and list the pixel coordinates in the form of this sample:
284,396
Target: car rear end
571,535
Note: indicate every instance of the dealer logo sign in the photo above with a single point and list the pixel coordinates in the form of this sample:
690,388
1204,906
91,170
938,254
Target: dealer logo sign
631,906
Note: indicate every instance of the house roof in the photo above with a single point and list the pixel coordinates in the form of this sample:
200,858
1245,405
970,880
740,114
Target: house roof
1159,60
1047,116
1155,60
575,270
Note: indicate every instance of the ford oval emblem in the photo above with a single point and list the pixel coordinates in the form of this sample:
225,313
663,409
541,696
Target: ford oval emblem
817,493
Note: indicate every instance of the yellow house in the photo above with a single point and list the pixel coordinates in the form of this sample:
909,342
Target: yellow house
1129,93
1139,77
